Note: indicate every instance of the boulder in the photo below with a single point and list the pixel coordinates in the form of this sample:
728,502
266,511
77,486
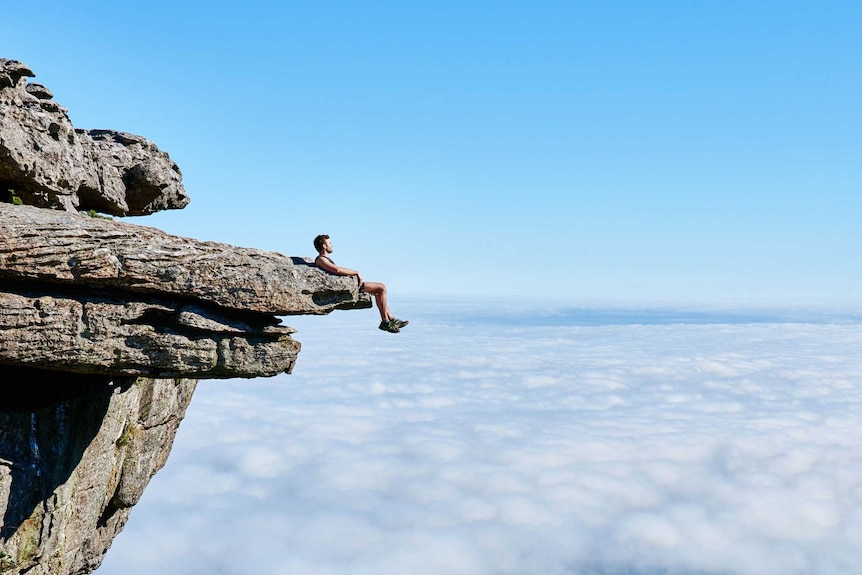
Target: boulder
45,161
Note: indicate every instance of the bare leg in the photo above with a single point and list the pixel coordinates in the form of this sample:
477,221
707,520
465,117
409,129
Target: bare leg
378,290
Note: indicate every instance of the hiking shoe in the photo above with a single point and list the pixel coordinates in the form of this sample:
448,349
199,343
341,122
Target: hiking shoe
399,322
389,326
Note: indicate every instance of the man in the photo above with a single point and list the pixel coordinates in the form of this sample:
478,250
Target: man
388,322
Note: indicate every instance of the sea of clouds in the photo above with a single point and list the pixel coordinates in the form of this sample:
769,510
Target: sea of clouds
522,441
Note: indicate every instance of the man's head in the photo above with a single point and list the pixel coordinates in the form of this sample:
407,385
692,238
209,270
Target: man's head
319,241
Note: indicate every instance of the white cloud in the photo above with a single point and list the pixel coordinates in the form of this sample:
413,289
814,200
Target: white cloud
473,445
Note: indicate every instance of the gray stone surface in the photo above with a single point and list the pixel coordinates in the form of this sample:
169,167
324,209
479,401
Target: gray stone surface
96,295
59,248
76,453
94,334
50,163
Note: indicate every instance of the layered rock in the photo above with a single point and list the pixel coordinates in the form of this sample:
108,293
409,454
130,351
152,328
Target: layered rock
94,295
106,326
52,247
47,162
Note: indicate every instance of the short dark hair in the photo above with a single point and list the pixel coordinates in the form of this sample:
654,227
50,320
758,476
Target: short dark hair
318,241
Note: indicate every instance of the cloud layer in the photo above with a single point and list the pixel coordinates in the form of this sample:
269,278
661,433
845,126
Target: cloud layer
483,444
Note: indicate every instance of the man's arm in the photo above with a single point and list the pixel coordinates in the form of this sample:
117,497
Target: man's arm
326,265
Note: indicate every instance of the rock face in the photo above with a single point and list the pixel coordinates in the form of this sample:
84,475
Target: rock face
106,326
94,295
62,249
76,453
49,163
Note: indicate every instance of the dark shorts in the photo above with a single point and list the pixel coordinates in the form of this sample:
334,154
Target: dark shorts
362,287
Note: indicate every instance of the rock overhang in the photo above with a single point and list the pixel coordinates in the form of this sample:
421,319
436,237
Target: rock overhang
92,294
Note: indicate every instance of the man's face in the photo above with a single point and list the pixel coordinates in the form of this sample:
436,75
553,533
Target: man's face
327,246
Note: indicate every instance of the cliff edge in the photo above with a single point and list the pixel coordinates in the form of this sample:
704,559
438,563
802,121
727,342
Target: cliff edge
106,326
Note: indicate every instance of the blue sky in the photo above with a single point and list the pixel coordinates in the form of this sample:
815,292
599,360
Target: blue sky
620,151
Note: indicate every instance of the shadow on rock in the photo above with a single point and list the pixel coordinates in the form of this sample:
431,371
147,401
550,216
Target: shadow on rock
76,452
44,429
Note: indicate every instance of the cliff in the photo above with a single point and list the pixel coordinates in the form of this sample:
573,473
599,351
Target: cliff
106,326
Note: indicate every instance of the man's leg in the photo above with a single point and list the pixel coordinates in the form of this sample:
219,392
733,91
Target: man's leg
378,290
